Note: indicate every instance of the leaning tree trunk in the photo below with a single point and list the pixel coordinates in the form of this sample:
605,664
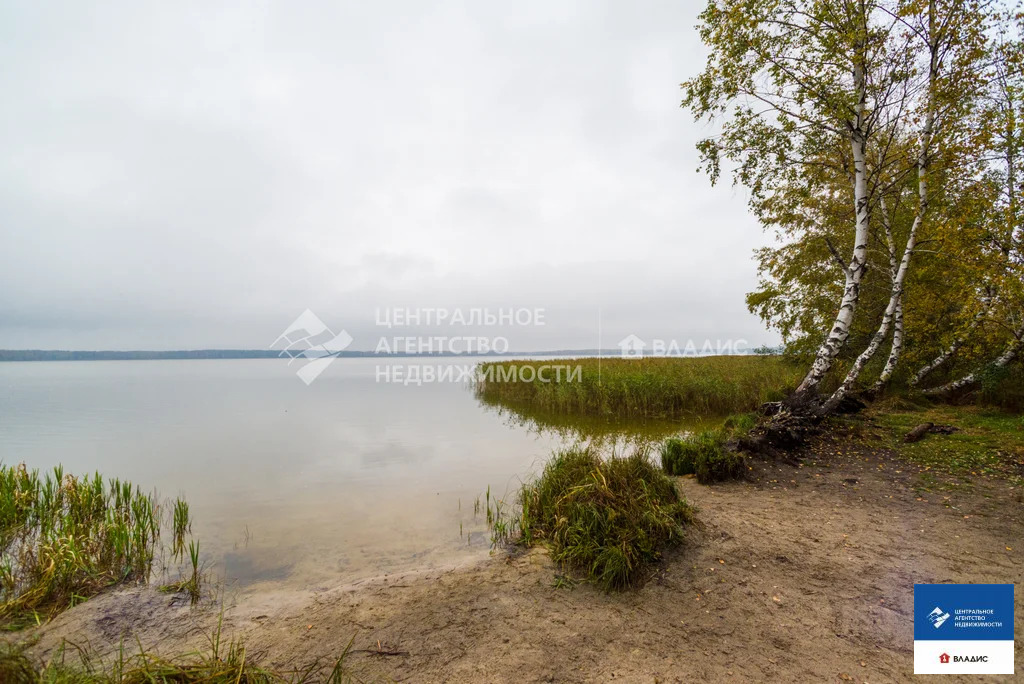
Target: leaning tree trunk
894,352
887,319
896,295
900,274
947,354
970,380
897,330
854,271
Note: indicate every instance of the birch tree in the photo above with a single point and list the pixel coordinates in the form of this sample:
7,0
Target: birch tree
791,79
1002,246
947,46
1012,351
959,341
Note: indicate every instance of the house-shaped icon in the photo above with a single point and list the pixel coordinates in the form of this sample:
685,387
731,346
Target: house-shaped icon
632,347
944,658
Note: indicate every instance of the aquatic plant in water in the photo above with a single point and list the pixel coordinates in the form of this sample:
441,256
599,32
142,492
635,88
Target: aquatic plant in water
64,538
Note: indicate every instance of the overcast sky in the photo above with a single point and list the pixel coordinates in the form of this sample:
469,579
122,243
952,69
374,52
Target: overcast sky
192,175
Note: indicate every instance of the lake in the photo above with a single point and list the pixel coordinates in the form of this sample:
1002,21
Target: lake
304,485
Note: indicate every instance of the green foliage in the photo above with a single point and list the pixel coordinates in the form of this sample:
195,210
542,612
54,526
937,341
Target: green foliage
1003,387
64,538
765,350
798,92
606,518
182,526
715,464
16,667
678,455
739,424
987,442
649,388
696,453
705,454
192,584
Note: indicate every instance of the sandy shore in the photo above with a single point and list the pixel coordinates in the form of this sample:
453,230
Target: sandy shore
801,574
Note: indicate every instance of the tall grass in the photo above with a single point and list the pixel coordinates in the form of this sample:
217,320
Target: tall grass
63,538
605,518
703,455
221,663
706,454
182,525
643,388
190,585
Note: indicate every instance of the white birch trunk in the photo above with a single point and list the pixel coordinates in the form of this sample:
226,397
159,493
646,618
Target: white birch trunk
854,271
897,331
896,295
894,352
947,354
887,317
971,379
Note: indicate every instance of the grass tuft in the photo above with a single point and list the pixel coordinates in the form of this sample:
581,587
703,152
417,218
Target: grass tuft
192,584
705,454
608,519
719,464
678,456
182,526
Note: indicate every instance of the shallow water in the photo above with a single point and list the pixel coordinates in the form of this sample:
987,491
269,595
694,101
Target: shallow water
307,486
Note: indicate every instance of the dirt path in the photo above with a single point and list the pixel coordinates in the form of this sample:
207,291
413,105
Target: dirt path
800,575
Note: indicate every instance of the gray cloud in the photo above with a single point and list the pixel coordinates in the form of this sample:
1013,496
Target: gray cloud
195,174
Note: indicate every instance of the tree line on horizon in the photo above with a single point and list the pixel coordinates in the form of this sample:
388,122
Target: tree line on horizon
881,142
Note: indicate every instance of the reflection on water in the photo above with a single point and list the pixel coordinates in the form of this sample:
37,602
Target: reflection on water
630,433
344,478
311,486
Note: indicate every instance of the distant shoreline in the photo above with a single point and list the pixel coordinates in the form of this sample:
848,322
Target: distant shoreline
224,354
183,355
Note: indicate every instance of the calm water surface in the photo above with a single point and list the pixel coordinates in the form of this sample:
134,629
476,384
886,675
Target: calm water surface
308,486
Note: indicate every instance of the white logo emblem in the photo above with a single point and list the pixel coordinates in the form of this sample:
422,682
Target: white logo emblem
937,617
309,338
632,347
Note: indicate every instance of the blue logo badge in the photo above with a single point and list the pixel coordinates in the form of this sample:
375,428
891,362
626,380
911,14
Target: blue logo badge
963,629
967,612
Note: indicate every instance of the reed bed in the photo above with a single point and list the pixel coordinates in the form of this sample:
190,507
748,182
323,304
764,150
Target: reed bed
649,388
607,519
64,538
